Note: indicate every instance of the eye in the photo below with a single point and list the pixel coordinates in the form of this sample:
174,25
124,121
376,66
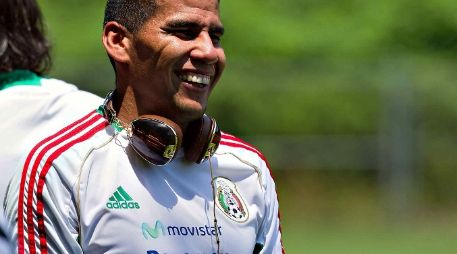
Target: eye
216,38
185,34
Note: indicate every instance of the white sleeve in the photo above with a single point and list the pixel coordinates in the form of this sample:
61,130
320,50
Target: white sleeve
270,232
5,237
45,220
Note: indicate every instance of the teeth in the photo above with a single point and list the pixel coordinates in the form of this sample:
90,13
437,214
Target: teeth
196,78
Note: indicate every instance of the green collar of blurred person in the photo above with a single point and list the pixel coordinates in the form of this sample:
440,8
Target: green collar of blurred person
18,77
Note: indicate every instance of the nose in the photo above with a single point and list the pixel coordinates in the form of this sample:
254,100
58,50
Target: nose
204,49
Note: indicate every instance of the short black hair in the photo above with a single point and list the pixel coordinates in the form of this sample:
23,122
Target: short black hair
132,14
23,44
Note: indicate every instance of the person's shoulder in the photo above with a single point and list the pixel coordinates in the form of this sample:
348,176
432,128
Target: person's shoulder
233,144
57,85
238,155
68,148
63,87
69,98
78,136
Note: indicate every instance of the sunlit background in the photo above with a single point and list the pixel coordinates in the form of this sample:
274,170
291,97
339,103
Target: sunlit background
353,102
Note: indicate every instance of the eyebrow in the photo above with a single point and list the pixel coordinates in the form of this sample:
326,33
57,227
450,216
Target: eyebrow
191,24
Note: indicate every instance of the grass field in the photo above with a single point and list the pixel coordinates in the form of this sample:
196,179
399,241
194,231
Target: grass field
414,239
344,215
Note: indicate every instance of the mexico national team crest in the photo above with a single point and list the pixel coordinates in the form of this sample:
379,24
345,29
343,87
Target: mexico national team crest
229,200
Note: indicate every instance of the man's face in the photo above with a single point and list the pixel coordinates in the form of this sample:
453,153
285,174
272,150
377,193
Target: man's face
176,59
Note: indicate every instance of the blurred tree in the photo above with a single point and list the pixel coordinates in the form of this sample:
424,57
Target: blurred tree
306,67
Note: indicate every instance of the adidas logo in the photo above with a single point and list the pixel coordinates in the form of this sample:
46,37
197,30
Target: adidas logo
121,200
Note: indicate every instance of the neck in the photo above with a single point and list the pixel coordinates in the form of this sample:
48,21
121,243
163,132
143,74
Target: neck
124,104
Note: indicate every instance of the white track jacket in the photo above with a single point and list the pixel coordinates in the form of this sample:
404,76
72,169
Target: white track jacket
85,190
33,107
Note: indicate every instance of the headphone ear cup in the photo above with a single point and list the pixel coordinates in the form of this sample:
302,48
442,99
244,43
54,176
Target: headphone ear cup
201,139
155,138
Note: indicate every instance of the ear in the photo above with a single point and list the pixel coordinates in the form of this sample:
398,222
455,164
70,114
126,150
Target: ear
116,40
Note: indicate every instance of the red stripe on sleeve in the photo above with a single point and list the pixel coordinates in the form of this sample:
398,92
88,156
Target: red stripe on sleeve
21,240
42,181
242,144
29,207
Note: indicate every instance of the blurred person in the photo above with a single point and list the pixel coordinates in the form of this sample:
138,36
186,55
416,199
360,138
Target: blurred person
32,106
149,171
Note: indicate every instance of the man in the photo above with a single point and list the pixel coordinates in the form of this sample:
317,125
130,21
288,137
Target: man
149,172
32,107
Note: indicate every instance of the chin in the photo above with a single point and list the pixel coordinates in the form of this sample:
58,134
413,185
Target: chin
191,112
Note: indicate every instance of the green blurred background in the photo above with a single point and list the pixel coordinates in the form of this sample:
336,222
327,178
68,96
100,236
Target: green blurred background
353,102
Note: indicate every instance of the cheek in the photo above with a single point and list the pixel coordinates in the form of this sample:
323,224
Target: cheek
221,62
154,51
144,49
172,55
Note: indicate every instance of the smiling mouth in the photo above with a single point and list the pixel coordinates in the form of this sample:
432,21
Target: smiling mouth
198,80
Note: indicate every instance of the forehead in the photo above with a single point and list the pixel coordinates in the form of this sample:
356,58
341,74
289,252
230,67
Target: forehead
203,10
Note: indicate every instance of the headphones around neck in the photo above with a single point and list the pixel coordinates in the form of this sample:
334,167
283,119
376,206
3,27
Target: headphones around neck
156,139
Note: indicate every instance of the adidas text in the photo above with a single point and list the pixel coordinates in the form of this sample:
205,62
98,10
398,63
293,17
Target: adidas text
122,205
